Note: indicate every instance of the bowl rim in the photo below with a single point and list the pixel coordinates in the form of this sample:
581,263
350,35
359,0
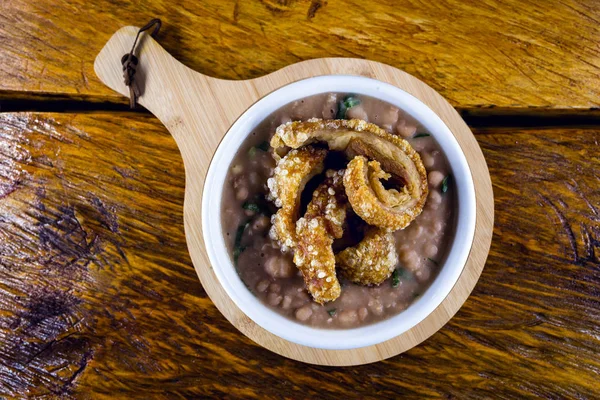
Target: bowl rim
338,339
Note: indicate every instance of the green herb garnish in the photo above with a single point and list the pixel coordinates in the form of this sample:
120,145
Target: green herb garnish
331,312
251,206
418,135
237,246
351,101
264,146
236,253
396,278
404,273
416,295
341,113
433,261
445,183
345,104
240,232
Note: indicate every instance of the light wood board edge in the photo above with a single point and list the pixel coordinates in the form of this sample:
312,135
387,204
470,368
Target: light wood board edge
198,111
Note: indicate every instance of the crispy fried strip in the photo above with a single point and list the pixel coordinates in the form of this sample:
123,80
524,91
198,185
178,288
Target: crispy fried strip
317,261
322,222
372,261
329,200
387,209
289,178
391,197
394,209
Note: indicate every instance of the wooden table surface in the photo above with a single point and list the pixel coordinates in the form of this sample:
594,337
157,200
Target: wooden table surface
98,297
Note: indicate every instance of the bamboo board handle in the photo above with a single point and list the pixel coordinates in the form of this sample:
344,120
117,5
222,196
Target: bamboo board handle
185,101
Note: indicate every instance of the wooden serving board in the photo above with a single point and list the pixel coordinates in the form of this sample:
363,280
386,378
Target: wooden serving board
198,111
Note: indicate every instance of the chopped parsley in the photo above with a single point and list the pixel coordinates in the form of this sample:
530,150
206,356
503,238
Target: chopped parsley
331,312
264,146
396,278
433,261
236,253
351,101
237,246
251,206
445,184
345,104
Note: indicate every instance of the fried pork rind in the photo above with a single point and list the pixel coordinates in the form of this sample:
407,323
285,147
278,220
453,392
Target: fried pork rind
371,201
289,178
316,260
323,221
329,200
372,261
387,209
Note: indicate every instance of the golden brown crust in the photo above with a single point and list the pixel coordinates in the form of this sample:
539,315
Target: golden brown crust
387,209
289,178
329,201
323,221
372,261
392,209
314,257
390,197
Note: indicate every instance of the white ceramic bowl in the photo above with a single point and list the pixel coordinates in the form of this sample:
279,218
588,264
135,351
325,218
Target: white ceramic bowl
337,339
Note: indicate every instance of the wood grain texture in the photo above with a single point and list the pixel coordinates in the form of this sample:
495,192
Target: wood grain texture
89,310
198,110
513,53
